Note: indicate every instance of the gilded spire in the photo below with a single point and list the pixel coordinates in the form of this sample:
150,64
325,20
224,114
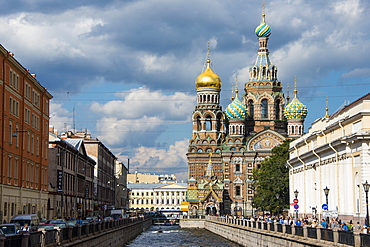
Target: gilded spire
327,108
295,87
263,11
236,87
287,92
232,92
208,52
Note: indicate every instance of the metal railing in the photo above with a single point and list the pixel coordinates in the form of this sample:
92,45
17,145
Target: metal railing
335,236
64,235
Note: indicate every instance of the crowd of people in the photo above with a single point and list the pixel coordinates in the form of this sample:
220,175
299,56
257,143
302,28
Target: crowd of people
333,223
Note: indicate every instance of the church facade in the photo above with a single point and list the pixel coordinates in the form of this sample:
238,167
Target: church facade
225,146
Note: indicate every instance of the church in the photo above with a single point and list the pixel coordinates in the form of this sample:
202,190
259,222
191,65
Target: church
226,145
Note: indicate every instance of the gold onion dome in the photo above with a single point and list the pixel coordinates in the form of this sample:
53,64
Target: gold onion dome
295,109
208,79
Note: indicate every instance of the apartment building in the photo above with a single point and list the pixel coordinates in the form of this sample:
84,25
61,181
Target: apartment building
104,183
24,134
71,174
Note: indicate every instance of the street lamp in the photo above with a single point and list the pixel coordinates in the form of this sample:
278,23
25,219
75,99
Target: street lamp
366,188
326,191
296,197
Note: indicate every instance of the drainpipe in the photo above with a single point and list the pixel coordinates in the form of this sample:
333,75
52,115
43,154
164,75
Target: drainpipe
304,171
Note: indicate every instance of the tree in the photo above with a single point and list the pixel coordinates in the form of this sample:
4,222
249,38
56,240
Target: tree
271,181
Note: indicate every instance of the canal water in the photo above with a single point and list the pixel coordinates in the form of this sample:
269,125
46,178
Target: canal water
174,236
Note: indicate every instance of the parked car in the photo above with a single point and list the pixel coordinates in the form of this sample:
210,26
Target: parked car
55,221
10,229
108,219
31,219
47,227
60,224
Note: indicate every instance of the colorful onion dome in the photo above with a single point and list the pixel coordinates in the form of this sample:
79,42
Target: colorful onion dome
263,30
295,109
236,109
208,79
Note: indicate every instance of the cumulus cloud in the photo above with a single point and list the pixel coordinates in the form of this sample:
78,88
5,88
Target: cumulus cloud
60,118
141,102
160,161
141,117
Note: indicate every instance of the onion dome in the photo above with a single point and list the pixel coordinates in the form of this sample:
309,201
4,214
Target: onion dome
208,79
236,109
263,30
295,109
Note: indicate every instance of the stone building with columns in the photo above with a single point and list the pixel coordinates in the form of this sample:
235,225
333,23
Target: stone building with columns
156,196
333,155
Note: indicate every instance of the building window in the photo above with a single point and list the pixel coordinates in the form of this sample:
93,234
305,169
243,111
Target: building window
277,109
251,108
237,168
237,191
10,167
264,108
208,123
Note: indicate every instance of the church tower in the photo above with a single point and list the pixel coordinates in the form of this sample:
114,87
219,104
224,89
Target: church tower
263,93
205,191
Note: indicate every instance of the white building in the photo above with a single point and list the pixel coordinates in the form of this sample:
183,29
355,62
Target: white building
154,196
334,154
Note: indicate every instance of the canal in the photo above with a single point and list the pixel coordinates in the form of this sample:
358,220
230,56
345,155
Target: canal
171,236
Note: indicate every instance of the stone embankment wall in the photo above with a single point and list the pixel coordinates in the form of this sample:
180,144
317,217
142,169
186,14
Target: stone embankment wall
115,237
258,234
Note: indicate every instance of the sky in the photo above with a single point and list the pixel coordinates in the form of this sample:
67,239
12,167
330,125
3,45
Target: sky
124,71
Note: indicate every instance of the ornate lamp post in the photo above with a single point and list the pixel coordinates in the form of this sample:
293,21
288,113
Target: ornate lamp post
366,188
326,191
296,197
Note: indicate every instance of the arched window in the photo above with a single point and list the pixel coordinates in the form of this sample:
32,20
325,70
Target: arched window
251,108
208,123
199,125
218,125
264,110
277,109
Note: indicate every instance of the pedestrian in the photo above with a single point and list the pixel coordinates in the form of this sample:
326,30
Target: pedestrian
344,226
25,228
324,224
79,221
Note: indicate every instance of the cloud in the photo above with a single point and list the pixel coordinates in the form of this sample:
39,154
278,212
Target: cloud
161,161
141,102
60,118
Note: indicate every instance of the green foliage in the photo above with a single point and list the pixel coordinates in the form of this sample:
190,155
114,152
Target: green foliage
271,181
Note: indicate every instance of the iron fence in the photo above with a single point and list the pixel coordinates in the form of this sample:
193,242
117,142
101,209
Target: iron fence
346,237
298,230
327,234
312,232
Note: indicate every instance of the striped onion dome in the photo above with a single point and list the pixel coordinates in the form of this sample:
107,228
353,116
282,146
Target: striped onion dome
236,109
263,30
295,109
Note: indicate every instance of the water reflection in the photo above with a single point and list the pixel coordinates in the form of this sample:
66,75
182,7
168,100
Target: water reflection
171,236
